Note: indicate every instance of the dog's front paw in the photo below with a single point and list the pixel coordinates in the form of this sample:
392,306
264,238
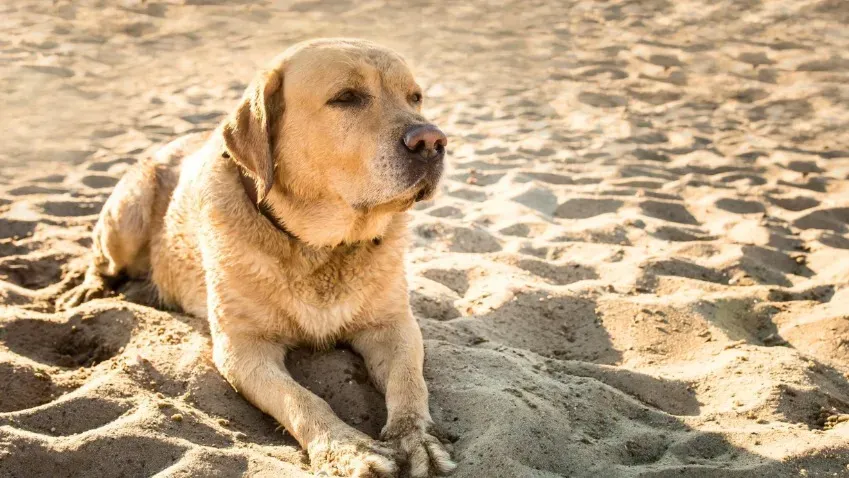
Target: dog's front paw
424,454
353,455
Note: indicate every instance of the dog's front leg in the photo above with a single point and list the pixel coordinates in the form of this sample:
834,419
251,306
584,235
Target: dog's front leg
394,356
254,366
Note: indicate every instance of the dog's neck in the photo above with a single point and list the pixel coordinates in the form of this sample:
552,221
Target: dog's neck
250,190
337,230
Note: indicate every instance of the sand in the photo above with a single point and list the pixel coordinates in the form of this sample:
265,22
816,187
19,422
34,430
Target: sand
638,264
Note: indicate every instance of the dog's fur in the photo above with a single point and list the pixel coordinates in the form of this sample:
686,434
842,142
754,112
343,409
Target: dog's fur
333,173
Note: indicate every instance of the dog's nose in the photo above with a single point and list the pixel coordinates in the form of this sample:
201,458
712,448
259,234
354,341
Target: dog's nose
426,140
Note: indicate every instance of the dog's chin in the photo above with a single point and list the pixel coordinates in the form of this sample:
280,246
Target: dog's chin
419,186
422,190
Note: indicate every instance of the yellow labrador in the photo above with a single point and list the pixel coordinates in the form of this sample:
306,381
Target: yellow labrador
286,226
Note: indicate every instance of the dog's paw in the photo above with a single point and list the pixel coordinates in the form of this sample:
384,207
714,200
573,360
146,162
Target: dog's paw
93,287
425,455
355,456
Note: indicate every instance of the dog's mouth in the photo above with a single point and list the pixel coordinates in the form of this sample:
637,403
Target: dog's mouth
426,186
424,193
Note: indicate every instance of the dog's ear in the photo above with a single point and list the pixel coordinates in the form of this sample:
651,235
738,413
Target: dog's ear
248,131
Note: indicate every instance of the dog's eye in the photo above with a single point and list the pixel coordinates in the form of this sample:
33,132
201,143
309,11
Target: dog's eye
416,98
348,98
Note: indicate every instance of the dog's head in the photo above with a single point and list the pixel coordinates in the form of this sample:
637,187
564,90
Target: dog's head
337,119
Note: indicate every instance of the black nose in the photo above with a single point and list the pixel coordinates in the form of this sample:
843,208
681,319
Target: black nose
425,140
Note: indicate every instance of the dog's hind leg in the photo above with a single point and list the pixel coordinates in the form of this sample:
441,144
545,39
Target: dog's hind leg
121,235
134,211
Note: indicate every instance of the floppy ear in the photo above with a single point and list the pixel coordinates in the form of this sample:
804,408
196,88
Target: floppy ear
248,134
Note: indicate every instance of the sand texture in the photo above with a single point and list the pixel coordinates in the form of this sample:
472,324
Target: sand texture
638,264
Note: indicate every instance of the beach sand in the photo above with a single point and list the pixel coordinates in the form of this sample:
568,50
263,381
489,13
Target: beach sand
638,264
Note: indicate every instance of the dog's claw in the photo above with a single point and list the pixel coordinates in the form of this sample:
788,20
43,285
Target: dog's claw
93,287
425,455
359,457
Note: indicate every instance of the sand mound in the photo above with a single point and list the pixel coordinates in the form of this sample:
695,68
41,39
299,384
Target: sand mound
638,265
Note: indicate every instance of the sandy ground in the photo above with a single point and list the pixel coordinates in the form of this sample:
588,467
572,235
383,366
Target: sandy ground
638,266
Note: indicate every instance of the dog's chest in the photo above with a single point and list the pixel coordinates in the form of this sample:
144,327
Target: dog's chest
320,323
320,297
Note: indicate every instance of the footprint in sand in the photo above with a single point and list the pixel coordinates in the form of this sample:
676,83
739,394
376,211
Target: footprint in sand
604,71
107,165
62,418
700,446
650,155
58,71
80,341
538,198
92,455
10,247
34,189
51,178
793,203
538,322
33,271
71,208
583,208
668,211
456,279
680,234
458,238
445,211
15,229
601,100
681,268
819,185
781,111
740,206
749,179
834,240
767,266
99,181
558,274
434,305
550,178
835,219
23,386
466,193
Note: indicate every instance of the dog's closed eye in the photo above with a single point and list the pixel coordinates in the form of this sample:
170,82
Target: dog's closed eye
349,98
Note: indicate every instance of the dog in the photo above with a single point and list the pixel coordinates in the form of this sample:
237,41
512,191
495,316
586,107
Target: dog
286,227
